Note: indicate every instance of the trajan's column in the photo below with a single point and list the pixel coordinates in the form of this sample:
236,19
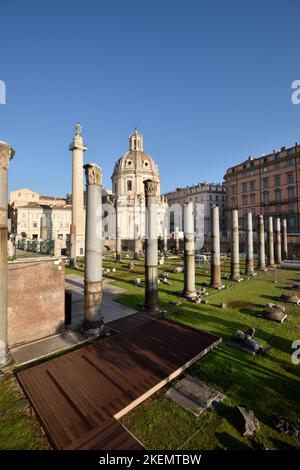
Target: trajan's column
77,148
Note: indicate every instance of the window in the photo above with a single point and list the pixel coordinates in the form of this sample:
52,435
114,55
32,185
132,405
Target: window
265,183
277,195
290,178
252,185
277,166
19,194
244,187
233,189
252,198
266,197
244,197
290,162
129,185
277,180
291,193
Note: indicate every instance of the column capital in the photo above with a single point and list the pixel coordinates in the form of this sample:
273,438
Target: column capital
5,154
150,187
93,174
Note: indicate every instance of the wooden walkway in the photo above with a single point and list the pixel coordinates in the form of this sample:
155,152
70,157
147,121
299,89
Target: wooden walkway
80,396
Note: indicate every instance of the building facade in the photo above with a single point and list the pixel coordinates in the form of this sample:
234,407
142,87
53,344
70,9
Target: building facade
267,185
27,221
208,194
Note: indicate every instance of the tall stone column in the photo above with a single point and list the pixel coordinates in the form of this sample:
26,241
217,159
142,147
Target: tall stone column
118,232
215,267
261,243
249,245
277,241
151,258
43,228
271,243
284,240
5,153
165,242
77,148
176,241
189,290
93,319
235,247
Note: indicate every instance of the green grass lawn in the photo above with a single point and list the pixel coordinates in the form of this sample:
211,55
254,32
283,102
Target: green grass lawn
266,384
18,429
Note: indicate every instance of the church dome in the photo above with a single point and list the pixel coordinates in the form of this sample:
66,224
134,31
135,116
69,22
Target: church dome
133,168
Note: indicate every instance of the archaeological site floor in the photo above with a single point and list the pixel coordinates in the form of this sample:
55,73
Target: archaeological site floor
79,396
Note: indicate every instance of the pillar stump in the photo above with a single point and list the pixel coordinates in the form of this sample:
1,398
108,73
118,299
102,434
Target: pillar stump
43,228
261,243
93,320
165,242
151,258
215,267
235,247
5,154
189,290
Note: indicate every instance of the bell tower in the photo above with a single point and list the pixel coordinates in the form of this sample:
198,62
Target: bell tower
136,141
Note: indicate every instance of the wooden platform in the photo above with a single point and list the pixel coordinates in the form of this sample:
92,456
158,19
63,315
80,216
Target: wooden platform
80,396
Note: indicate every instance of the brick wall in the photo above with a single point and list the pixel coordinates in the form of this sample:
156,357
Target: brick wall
35,299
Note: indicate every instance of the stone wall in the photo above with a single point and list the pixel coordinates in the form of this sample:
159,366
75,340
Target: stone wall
36,299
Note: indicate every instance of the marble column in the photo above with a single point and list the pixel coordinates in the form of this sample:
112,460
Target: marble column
151,257
5,153
271,262
118,232
235,247
284,240
77,148
249,245
176,241
72,246
215,268
277,241
43,228
189,290
136,242
261,243
165,242
93,320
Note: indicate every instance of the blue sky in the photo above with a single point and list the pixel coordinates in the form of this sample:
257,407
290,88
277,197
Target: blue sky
208,83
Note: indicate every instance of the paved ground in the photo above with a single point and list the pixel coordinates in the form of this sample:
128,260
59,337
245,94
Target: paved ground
111,310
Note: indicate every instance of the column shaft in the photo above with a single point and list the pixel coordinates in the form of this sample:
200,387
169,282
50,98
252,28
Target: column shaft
271,243
215,269
151,258
284,240
4,162
189,290
93,319
261,243
277,241
235,251
249,245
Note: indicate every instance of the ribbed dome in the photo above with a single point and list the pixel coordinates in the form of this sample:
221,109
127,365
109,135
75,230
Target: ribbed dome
136,160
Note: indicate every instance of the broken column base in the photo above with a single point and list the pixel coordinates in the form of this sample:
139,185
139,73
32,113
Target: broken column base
236,279
217,286
92,329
